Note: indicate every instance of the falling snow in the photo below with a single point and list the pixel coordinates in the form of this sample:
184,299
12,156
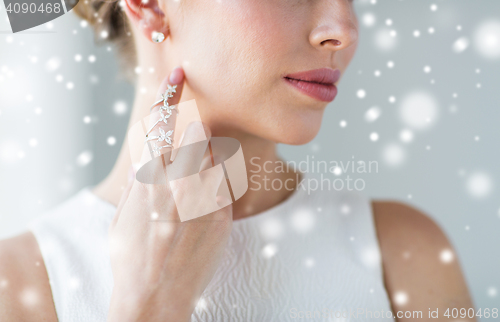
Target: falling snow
393,154
461,44
269,250
400,298
487,39
84,158
419,110
479,185
303,221
373,114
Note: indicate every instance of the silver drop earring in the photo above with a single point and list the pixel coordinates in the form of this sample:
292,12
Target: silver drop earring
157,36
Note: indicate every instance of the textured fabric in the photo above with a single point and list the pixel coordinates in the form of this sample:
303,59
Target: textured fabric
314,257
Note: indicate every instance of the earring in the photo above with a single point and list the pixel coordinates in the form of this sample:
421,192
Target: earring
157,36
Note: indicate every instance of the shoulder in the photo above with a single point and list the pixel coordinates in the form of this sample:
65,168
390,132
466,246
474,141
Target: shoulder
421,268
397,220
25,293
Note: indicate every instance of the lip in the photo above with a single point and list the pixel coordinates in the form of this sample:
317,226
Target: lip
318,83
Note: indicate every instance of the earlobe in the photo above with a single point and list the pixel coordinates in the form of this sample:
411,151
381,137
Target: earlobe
148,18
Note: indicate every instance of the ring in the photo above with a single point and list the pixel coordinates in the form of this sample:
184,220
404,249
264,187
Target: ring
164,97
164,136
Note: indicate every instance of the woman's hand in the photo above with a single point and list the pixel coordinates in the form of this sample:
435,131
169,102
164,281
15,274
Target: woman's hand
161,265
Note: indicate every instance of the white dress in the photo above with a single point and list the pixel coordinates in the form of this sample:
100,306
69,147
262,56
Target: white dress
313,257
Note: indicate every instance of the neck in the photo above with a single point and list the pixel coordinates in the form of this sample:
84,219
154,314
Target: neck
256,149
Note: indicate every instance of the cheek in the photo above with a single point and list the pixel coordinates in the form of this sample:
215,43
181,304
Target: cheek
234,64
233,57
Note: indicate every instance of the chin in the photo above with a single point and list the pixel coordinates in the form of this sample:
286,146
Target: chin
300,132
299,138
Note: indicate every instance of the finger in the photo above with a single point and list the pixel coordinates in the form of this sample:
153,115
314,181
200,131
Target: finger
161,124
207,161
176,78
217,225
192,149
225,213
213,229
159,135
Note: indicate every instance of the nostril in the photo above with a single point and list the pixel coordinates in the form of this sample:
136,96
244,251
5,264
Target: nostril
333,42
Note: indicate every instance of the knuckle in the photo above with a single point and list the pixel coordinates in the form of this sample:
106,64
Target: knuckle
224,216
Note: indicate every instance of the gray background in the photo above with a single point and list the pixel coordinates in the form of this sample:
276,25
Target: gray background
43,133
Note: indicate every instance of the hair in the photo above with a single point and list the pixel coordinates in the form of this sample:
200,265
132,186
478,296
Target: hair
107,18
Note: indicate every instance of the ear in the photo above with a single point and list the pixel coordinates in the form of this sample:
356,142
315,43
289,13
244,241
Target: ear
147,16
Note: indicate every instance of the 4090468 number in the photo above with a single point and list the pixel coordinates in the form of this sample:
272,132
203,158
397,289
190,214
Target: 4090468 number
34,7
470,313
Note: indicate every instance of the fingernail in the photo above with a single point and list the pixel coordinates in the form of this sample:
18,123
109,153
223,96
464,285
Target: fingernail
176,76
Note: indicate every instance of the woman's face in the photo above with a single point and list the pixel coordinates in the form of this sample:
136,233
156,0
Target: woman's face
236,54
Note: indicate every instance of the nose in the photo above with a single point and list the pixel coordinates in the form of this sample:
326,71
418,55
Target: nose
336,26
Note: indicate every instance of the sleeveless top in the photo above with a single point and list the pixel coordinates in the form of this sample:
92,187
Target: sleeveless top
314,256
